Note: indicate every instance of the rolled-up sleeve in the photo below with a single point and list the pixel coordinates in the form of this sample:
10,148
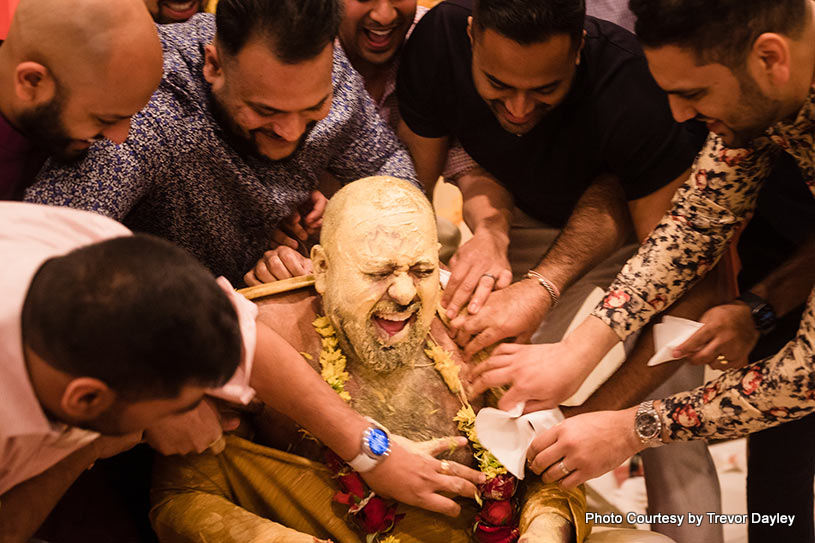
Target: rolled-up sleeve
237,389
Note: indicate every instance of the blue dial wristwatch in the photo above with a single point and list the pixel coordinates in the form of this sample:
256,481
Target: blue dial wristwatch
376,446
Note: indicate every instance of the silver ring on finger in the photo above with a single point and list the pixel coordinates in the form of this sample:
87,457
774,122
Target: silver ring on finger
562,466
491,276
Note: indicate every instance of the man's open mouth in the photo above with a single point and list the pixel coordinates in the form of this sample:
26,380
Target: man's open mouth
393,327
380,38
181,10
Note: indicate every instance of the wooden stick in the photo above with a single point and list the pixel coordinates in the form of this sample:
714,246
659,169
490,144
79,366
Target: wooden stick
277,287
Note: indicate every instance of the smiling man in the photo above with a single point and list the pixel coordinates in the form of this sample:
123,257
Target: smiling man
254,104
67,83
568,125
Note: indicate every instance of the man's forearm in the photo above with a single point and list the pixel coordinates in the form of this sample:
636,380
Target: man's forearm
599,225
286,382
429,155
24,508
487,205
788,286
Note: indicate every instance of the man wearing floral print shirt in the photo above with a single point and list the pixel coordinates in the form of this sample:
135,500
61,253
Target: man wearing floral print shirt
769,64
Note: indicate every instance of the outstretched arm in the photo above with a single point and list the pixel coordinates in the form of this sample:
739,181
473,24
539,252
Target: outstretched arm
285,381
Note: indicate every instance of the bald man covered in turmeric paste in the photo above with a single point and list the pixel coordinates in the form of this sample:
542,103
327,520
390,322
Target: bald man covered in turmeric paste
71,72
377,281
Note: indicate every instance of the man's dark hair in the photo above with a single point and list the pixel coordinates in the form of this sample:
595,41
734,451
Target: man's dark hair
136,312
296,30
531,21
719,31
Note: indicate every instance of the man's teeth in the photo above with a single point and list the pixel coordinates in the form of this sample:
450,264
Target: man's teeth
396,317
181,6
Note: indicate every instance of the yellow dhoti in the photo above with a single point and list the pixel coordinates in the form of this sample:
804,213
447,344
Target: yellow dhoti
252,494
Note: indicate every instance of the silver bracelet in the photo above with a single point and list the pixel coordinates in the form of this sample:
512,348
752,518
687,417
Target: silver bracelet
546,284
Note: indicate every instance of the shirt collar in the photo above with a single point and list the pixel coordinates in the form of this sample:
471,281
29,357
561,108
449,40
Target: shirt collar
804,121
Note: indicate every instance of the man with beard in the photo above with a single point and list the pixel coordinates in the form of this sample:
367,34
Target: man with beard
254,104
372,35
377,282
72,73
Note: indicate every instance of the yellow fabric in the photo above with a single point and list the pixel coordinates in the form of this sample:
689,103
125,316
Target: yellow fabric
548,498
252,494
210,5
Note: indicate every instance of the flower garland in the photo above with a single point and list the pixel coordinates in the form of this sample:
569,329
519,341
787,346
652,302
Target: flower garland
376,517
497,520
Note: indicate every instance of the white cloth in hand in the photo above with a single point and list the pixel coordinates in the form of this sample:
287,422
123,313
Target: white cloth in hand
670,334
508,434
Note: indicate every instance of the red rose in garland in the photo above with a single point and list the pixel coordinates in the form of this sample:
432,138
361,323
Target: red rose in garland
500,487
352,489
496,534
496,513
377,517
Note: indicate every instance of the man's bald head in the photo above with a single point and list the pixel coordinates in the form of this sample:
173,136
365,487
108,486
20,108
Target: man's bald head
377,270
99,60
371,197
81,38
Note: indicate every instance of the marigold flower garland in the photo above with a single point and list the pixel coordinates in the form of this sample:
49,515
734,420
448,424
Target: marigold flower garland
376,517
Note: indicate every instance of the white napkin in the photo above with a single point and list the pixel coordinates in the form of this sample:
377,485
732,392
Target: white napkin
670,334
507,434
444,277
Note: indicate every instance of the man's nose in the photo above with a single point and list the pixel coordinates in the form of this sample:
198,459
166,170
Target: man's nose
682,109
117,133
519,105
383,12
289,127
402,290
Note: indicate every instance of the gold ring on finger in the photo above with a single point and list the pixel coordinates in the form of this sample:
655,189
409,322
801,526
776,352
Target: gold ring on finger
445,467
722,359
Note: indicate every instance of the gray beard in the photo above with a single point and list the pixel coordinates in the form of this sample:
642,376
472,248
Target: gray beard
374,355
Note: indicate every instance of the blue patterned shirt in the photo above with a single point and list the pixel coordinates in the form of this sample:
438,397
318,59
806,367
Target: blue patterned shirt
177,176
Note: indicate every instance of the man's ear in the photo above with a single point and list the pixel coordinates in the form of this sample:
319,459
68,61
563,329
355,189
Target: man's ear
470,28
34,84
580,48
85,398
319,263
213,68
771,58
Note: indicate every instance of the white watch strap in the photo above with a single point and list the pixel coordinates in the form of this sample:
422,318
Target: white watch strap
362,463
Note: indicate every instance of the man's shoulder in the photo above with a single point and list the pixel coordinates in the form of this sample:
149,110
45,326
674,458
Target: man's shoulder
452,9
190,35
616,71
442,21
183,46
291,315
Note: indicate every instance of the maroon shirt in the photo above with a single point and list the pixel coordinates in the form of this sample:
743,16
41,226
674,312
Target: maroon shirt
20,160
